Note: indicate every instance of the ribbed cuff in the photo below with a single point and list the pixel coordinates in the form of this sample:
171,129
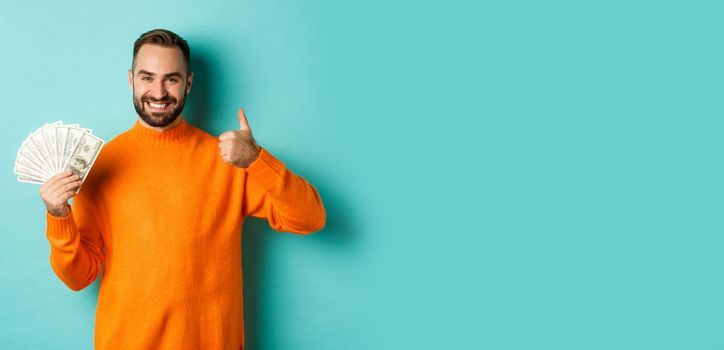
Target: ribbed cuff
60,229
266,170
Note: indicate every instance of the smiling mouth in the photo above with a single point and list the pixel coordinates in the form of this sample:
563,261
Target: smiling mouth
157,107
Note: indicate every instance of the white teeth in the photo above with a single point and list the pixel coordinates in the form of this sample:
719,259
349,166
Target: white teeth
156,105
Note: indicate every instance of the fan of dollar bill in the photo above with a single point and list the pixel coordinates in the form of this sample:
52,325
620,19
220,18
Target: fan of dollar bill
55,148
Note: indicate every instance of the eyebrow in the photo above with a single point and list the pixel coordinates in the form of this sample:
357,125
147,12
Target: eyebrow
174,74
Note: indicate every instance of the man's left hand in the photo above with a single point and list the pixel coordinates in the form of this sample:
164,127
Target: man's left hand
238,147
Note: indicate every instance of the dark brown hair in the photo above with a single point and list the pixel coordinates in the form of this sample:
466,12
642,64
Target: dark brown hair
165,38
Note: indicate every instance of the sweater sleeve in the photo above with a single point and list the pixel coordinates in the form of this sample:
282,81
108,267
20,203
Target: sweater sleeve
287,201
75,244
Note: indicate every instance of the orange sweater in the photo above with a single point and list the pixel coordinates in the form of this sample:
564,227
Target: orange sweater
160,214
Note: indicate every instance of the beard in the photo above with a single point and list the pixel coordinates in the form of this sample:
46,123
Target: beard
158,119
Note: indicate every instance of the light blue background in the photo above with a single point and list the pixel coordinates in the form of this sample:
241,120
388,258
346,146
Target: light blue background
527,175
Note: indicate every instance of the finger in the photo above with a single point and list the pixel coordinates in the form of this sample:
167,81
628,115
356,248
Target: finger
52,187
227,135
63,181
226,143
70,186
68,195
243,123
57,177
58,191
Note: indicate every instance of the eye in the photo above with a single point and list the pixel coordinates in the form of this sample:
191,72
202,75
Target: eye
144,78
173,80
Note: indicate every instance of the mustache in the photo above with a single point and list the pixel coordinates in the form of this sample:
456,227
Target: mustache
165,100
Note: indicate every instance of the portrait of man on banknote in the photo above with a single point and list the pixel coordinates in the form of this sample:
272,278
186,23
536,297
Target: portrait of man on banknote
78,165
160,215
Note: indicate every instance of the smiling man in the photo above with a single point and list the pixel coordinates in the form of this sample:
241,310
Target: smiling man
159,104
161,211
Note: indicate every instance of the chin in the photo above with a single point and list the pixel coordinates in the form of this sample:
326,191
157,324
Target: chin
158,121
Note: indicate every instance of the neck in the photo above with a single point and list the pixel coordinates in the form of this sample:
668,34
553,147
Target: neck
173,124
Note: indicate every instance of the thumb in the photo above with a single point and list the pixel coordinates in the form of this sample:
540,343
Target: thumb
243,123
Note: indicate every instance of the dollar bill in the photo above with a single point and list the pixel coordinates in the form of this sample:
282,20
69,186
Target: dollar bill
72,139
84,155
48,135
30,179
38,145
24,167
54,148
27,157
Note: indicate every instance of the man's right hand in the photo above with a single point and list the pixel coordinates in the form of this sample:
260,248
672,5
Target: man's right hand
58,190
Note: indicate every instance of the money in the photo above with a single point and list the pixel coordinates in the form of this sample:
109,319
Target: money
55,148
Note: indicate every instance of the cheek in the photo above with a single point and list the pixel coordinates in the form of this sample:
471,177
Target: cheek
139,94
179,92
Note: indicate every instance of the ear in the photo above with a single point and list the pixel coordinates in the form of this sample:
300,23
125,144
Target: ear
130,78
189,82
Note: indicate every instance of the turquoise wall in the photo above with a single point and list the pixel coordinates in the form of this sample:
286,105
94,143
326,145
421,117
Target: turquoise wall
497,175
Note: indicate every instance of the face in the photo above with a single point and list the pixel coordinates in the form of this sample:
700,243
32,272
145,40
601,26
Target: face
77,165
159,83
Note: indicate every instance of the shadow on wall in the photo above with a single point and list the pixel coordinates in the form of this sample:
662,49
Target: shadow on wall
338,232
337,235
199,106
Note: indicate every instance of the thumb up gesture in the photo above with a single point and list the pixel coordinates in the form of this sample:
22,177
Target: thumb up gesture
238,147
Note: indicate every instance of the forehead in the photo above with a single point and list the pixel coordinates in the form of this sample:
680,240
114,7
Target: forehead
159,59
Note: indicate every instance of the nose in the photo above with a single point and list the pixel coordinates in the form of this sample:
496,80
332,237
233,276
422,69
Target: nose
158,90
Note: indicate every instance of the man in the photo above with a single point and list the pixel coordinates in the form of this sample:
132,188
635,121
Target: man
161,211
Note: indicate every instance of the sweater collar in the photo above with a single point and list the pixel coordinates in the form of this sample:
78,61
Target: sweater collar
147,136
